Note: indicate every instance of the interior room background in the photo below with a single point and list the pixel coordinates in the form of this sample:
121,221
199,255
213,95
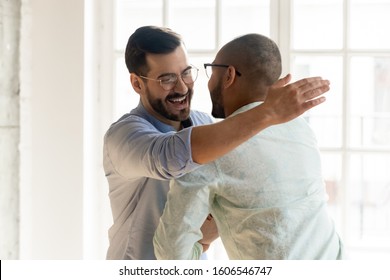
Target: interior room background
63,81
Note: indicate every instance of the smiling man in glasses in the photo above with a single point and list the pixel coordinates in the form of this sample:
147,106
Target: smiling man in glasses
266,196
162,138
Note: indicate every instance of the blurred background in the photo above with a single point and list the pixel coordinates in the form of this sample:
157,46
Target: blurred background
63,81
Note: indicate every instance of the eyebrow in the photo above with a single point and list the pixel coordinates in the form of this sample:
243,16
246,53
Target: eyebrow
174,74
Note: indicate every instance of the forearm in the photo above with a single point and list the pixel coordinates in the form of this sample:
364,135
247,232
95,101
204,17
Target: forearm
179,234
210,142
137,149
282,104
175,240
164,249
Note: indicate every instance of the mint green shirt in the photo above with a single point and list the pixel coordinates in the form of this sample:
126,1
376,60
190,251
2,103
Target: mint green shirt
267,197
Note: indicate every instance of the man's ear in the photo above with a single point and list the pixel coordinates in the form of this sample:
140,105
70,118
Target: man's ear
136,83
230,76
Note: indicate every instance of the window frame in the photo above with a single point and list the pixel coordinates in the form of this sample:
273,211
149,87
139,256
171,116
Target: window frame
280,32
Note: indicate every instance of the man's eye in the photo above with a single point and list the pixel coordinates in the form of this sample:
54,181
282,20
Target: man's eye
168,80
187,73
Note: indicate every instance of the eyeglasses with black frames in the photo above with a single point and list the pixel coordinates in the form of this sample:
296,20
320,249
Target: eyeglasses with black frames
169,81
209,71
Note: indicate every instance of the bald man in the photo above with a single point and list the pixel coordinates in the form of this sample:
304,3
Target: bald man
267,196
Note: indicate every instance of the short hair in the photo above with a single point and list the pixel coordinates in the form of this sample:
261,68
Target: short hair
149,39
258,55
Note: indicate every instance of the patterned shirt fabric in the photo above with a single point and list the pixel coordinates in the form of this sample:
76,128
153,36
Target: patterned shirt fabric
267,197
141,155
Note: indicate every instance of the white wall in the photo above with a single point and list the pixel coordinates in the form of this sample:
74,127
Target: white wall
52,84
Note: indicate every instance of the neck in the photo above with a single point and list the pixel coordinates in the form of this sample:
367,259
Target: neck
237,104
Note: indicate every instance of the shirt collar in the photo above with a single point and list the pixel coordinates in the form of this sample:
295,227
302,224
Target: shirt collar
246,107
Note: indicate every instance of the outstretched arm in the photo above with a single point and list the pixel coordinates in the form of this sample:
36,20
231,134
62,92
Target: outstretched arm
283,103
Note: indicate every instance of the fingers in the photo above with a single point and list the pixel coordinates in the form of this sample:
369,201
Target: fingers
310,88
205,247
288,102
313,102
283,81
315,90
308,81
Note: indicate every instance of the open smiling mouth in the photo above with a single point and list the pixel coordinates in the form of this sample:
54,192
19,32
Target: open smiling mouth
178,100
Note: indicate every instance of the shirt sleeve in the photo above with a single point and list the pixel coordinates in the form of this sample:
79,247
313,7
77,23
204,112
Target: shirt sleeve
134,148
187,207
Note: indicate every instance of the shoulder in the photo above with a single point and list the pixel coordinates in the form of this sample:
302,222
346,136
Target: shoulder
199,118
297,130
129,120
299,124
129,125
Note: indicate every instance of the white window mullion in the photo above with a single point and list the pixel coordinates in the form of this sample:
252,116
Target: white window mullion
345,156
284,31
166,13
275,20
218,25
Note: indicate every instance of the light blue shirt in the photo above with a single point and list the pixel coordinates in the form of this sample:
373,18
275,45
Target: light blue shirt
267,197
141,155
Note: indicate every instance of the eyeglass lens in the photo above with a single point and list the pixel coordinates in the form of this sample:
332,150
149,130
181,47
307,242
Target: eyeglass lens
188,77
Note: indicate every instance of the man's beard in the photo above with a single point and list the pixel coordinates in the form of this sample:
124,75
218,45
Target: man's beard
159,106
217,100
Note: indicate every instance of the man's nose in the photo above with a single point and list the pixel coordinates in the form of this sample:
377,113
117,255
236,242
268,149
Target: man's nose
181,87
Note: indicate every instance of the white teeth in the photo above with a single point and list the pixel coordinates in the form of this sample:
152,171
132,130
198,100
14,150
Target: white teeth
181,99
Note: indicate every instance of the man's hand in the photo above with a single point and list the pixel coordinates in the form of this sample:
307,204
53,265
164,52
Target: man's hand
210,232
286,102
